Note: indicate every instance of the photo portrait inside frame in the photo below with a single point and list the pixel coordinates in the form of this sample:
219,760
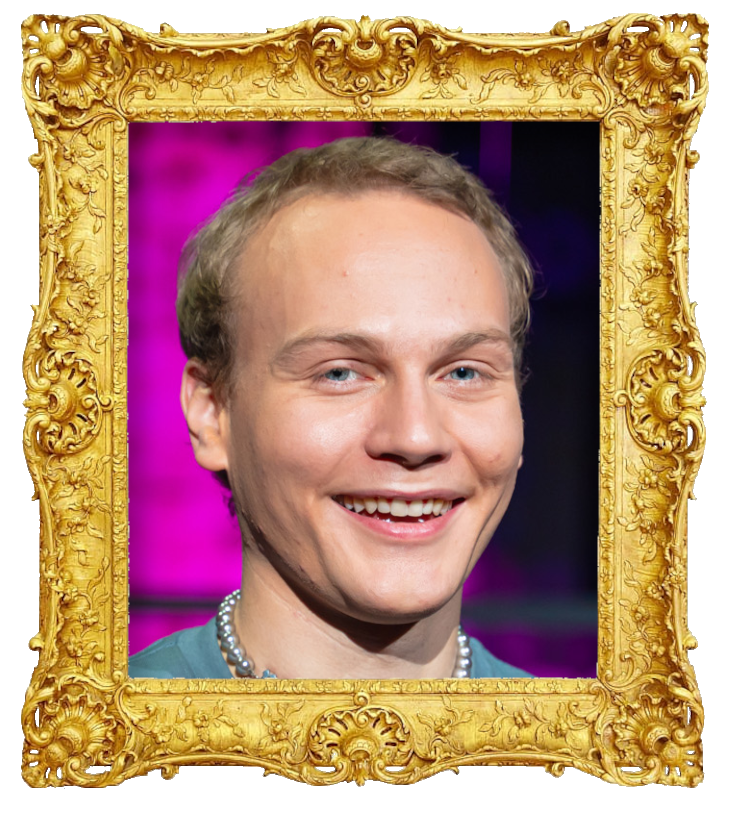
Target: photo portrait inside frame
531,599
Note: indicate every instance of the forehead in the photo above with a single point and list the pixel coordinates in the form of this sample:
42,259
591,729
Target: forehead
383,261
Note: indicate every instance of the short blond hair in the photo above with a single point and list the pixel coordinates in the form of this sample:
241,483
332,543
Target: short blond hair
348,167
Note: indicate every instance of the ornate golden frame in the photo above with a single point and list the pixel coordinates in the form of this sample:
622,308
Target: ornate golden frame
644,79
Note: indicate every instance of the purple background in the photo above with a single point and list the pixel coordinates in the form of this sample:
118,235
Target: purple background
531,599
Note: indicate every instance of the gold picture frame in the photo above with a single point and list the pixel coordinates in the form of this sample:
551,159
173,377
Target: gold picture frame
85,721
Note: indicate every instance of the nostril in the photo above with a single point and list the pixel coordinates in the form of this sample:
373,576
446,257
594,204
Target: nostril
408,462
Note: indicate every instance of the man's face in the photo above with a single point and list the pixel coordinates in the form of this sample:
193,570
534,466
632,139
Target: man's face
372,368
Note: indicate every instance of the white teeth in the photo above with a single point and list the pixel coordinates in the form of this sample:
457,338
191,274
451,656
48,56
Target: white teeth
416,508
399,508
395,506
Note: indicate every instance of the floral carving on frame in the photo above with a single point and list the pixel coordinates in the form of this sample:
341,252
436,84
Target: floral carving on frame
643,78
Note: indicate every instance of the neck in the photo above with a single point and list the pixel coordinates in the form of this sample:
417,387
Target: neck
295,637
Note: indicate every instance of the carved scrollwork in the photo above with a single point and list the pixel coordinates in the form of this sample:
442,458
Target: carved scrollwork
443,74
656,736
664,401
283,73
445,729
536,75
365,59
361,742
65,404
653,66
70,727
68,65
84,80
201,76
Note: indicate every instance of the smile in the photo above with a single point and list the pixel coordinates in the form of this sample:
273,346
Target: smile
389,509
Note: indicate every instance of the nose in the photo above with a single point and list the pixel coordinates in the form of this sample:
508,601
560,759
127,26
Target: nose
407,425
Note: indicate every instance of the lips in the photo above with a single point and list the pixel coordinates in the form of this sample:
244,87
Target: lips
402,528
394,508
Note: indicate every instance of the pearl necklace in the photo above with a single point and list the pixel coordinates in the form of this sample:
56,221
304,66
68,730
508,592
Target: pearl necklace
243,666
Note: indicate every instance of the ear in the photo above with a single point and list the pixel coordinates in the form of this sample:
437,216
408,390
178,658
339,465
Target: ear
207,418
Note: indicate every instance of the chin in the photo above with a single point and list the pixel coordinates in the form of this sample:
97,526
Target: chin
401,608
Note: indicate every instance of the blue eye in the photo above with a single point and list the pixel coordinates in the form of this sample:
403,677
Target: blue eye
338,374
463,374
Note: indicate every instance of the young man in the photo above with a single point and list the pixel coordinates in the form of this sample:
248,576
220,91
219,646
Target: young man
353,321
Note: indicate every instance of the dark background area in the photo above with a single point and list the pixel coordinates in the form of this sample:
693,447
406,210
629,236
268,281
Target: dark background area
533,593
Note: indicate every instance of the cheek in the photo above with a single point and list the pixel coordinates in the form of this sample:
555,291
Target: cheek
301,446
494,443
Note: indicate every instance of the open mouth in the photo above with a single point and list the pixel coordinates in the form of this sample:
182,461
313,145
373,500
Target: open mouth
395,510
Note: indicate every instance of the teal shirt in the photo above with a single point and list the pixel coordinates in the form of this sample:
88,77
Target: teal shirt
194,653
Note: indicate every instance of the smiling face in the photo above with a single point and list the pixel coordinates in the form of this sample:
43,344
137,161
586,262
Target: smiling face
373,432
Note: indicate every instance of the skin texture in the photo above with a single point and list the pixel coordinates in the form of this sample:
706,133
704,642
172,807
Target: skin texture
372,357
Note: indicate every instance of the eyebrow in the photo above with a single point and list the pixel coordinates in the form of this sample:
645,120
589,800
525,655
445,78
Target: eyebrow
362,342
471,338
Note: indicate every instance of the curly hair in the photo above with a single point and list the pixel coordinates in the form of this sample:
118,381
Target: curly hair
348,167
